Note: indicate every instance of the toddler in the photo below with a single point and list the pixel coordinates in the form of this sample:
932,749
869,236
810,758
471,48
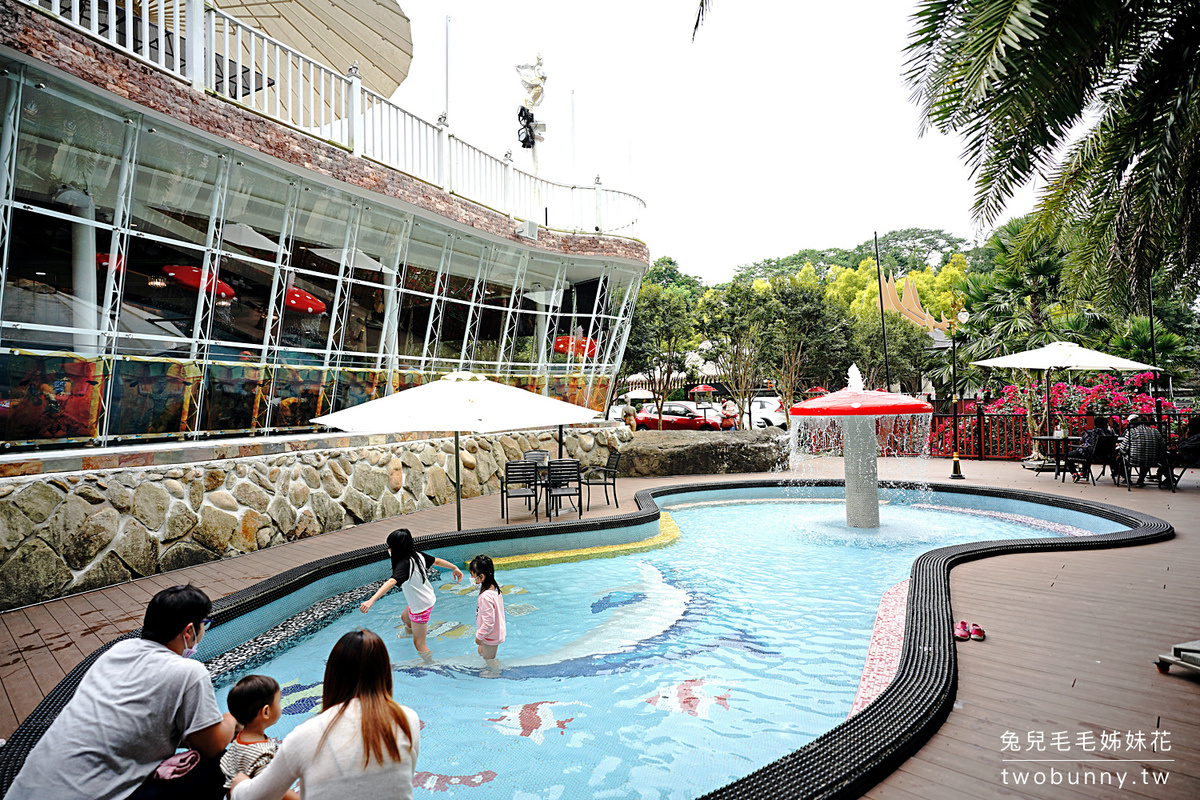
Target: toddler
255,703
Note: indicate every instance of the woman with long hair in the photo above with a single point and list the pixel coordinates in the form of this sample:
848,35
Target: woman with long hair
363,745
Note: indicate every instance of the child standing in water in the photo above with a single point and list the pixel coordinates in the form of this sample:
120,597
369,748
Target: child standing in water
408,572
489,613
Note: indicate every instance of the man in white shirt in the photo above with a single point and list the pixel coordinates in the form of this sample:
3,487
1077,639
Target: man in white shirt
138,702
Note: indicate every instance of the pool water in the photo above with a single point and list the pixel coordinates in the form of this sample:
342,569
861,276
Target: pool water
663,674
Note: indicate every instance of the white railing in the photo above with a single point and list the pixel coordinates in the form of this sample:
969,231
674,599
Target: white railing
403,141
265,75
242,65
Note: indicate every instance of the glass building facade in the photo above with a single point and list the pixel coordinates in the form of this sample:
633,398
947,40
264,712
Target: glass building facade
157,282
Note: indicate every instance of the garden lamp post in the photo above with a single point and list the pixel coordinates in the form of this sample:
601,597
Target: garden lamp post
960,319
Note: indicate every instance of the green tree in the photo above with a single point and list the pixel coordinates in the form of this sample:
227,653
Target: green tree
666,273
732,319
809,339
665,332
1019,80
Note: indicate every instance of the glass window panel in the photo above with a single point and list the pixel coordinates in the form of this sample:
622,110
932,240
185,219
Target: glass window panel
524,348
254,211
154,396
158,300
242,318
424,257
301,393
234,397
173,193
454,323
68,151
501,276
322,219
463,268
308,301
489,324
56,276
356,386
364,318
50,396
414,317
379,244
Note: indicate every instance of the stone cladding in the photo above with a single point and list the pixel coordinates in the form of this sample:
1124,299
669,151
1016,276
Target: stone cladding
40,36
71,532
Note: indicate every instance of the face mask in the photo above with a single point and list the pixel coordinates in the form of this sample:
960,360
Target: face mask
188,652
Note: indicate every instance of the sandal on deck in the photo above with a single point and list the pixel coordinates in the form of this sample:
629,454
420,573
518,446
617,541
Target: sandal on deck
977,633
961,634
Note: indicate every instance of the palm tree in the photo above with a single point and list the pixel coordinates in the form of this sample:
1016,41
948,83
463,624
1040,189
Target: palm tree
1019,79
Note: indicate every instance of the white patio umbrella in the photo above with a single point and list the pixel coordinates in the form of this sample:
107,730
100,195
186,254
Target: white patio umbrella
459,401
637,394
1066,356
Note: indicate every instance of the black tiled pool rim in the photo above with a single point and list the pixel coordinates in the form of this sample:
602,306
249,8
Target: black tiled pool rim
844,762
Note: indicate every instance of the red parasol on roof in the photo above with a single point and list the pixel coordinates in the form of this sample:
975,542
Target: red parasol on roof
848,403
704,387
579,346
305,303
190,277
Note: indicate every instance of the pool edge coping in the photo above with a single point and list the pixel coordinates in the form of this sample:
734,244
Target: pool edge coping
844,762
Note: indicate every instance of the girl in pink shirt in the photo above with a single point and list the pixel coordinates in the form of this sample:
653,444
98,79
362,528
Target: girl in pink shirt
489,614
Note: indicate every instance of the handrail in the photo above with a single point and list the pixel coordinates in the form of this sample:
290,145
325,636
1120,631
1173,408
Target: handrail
239,64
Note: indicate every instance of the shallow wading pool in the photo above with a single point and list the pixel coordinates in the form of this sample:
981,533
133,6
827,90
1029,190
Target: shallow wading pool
668,672
703,653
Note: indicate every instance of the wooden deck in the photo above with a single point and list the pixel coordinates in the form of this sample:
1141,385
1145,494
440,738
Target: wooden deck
1070,641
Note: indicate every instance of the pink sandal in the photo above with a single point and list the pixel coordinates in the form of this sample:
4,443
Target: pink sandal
961,634
977,633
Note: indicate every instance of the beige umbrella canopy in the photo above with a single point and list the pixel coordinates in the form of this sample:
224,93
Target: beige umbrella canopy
375,33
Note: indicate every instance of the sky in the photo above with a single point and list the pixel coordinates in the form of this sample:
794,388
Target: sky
783,126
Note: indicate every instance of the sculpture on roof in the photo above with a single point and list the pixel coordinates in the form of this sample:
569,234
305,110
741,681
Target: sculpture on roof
533,79
910,307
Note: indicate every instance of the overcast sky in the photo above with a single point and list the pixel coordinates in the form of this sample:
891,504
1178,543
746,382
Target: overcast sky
785,125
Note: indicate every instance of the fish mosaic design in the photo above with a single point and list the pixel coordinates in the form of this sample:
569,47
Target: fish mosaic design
519,609
300,698
511,589
448,630
616,600
458,588
688,698
533,720
433,782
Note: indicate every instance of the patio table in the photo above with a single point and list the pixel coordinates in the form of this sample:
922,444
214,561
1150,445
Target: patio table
1059,447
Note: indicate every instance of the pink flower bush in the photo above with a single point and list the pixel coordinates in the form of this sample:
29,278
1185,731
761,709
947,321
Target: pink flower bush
1108,395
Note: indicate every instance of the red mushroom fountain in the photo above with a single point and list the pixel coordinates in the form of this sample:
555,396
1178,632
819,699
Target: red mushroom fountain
858,410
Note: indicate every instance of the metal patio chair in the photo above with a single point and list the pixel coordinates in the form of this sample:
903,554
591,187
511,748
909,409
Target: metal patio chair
520,481
605,476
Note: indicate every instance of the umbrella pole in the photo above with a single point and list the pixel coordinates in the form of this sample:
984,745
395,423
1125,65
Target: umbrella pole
560,437
457,483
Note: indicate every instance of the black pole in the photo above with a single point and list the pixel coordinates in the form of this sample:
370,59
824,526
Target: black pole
955,468
887,368
560,438
457,483
1154,354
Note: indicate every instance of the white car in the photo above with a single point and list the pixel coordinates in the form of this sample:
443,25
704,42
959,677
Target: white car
765,412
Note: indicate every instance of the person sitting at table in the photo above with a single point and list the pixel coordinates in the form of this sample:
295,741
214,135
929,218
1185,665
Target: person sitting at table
1082,455
1188,453
1143,446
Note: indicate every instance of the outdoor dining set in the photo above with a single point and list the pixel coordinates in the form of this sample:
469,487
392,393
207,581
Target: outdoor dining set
537,477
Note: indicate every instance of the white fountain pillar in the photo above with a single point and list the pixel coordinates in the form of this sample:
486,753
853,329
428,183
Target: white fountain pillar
862,475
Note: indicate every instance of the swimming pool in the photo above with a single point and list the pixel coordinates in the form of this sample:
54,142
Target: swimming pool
843,762
666,673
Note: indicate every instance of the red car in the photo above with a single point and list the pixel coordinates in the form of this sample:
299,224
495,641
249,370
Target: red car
679,415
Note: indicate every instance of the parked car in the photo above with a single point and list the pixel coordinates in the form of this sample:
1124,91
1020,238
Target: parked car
679,415
765,412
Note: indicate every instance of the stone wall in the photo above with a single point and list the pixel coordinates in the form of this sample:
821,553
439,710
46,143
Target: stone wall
655,453
71,532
